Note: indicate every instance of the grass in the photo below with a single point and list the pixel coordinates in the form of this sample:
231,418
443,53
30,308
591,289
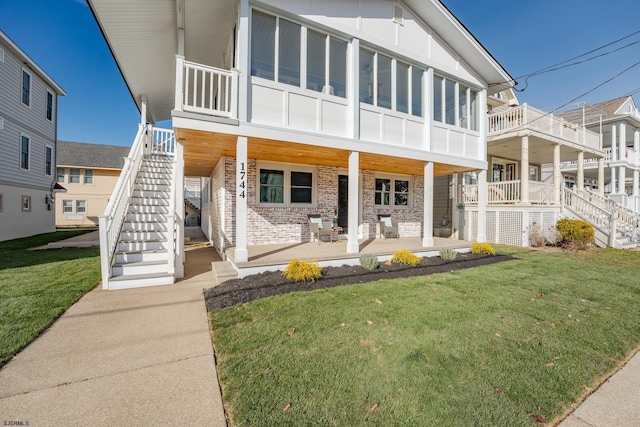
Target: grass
514,343
36,287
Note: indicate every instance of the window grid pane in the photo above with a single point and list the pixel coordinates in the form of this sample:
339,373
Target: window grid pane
316,60
450,102
366,76
49,105
437,98
401,192
263,45
60,175
338,68
462,107
67,206
74,176
88,176
81,206
26,88
402,87
289,53
24,153
384,81
416,92
271,186
301,187
47,160
382,191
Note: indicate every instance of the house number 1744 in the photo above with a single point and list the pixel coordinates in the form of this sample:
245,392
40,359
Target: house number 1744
243,184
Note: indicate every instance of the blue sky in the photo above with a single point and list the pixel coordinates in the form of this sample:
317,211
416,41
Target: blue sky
524,36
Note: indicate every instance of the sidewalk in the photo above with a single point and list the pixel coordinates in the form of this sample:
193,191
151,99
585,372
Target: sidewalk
133,357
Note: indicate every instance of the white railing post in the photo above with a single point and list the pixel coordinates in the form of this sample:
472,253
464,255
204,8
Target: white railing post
178,101
105,258
179,210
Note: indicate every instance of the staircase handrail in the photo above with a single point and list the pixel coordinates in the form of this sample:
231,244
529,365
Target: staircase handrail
110,222
626,218
596,215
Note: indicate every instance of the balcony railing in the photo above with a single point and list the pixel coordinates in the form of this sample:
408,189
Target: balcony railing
206,90
509,192
526,117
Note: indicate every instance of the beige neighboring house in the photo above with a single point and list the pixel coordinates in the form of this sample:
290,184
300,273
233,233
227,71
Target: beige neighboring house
89,172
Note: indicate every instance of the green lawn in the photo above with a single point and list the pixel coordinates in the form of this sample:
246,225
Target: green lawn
36,287
510,344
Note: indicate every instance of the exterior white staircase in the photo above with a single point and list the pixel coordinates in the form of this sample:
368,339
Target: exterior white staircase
615,225
141,232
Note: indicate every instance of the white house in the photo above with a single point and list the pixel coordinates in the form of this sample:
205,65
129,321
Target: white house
28,131
295,107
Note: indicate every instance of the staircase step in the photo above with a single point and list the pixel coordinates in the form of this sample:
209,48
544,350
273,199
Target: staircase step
136,236
153,181
140,267
149,209
148,201
146,217
140,281
140,193
159,173
140,256
156,226
222,271
138,246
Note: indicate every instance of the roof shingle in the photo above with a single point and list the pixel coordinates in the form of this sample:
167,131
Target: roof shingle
90,155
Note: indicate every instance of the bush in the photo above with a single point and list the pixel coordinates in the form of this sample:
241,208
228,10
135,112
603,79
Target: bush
405,257
368,261
302,271
576,233
448,254
482,248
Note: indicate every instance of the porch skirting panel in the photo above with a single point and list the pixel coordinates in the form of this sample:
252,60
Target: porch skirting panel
510,225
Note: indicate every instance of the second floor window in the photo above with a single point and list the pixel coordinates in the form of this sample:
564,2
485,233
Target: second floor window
74,176
26,88
281,61
24,152
88,176
49,106
454,103
48,161
60,175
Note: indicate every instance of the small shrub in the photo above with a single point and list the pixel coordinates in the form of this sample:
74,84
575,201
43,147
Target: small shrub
448,254
405,257
369,261
536,236
576,233
482,248
302,271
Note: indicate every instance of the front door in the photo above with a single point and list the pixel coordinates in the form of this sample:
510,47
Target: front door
343,201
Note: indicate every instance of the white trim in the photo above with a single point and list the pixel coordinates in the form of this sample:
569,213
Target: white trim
22,135
24,71
392,178
287,168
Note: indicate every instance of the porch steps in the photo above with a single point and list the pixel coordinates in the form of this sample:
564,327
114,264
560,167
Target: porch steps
223,271
142,257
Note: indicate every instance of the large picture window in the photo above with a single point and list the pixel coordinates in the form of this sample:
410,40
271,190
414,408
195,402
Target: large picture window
326,56
286,185
391,192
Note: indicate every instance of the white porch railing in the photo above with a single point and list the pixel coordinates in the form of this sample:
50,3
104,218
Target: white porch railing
525,116
148,140
540,192
592,212
626,219
509,192
206,90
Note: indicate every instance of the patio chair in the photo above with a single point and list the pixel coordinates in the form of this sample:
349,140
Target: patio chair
388,226
318,227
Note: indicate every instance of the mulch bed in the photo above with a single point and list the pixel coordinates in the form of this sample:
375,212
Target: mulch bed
250,288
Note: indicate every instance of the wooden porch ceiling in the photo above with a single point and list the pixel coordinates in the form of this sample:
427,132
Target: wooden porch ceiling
203,150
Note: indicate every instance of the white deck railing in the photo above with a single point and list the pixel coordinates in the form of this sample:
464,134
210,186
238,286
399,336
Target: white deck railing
525,116
626,219
509,192
148,140
206,90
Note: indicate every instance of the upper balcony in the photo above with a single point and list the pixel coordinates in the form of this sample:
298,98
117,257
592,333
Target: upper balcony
514,120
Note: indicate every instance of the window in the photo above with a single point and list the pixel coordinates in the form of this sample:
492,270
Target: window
289,53
286,185
26,88
388,191
88,176
449,102
316,58
24,152
384,81
48,161
271,186
60,175
416,91
263,48
26,203
463,113
533,173
67,206
81,206
402,87
366,76
338,67
74,176
437,98
49,106
454,103
473,112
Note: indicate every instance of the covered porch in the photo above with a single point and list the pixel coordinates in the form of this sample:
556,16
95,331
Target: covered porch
277,256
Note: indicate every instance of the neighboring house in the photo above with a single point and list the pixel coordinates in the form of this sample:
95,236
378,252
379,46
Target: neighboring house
619,122
89,172
28,131
337,107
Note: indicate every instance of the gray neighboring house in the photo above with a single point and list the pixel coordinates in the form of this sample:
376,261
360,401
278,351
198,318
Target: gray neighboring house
28,134
89,173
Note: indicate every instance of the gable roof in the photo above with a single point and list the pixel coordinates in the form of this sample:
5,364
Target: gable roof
81,154
607,108
31,63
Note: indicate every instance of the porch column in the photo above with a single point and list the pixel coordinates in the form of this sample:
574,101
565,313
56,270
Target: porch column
622,171
143,110
179,164
557,176
427,211
580,177
613,186
622,138
481,234
241,253
353,247
524,170
636,183
636,173
601,176
614,144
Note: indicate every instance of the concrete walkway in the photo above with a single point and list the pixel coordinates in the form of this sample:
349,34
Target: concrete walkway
138,357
